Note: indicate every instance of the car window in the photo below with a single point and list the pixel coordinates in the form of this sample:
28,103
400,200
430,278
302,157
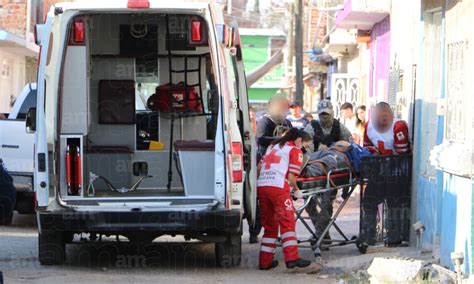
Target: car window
29,102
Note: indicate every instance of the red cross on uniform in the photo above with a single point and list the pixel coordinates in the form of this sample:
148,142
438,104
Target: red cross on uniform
271,158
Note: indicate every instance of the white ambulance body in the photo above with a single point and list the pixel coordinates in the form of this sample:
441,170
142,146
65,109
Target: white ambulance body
142,126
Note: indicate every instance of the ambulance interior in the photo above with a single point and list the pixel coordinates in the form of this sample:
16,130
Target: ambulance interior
119,140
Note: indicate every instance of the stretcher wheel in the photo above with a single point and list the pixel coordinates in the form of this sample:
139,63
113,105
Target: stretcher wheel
361,247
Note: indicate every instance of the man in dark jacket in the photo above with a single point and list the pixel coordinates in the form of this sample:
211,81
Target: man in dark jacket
326,130
7,196
273,124
269,127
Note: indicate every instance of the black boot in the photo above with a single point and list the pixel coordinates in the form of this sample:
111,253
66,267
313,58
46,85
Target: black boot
274,264
298,263
253,239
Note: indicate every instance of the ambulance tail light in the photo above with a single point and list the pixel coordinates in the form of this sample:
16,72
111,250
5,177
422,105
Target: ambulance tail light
196,33
237,162
78,33
138,4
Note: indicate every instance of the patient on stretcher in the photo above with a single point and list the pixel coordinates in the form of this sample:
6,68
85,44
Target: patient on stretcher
321,162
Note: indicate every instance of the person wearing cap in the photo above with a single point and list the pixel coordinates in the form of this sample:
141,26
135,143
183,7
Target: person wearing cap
296,117
326,131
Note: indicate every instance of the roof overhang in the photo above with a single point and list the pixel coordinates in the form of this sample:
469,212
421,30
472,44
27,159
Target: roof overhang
362,14
341,40
18,45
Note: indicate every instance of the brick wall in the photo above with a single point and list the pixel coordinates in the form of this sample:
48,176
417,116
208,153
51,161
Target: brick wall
13,16
310,21
14,13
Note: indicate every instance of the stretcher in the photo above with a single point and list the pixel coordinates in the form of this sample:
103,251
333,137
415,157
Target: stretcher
313,188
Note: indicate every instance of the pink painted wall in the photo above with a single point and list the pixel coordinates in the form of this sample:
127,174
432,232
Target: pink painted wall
380,60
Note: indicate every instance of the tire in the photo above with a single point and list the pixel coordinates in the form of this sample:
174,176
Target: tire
229,253
51,248
6,214
25,203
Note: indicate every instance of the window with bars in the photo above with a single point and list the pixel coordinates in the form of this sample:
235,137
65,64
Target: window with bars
456,115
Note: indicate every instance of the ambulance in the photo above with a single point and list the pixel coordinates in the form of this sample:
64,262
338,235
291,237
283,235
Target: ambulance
142,127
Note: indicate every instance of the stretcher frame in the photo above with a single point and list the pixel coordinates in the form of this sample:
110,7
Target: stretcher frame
318,243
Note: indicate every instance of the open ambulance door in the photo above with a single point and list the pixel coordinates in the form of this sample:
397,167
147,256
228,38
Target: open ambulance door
248,135
41,167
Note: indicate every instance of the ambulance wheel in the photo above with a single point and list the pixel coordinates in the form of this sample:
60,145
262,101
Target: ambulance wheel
51,248
229,252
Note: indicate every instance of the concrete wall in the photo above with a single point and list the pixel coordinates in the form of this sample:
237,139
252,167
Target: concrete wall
456,220
12,78
443,200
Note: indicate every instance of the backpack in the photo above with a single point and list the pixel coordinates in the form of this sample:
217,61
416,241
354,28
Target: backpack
355,153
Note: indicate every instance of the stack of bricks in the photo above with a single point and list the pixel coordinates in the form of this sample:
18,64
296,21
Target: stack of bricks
13,16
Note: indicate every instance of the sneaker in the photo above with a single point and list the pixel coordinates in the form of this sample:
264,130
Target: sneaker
362,247
298,263
253,239
274,264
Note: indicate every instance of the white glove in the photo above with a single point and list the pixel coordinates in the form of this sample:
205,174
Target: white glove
298,194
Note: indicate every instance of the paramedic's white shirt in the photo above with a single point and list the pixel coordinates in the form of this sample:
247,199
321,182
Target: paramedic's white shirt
276,165
377,137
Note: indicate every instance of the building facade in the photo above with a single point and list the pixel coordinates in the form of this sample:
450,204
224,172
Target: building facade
18,52
259,45
420,61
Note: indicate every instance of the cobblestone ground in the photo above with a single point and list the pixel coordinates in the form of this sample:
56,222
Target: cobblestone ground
167,260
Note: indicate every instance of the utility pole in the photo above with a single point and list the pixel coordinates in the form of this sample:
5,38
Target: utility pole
229,7
299,51
291,42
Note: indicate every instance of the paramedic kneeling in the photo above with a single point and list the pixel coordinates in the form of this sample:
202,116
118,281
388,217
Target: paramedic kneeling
278,170
385,136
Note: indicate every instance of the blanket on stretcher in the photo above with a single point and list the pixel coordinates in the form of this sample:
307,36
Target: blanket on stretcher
323,161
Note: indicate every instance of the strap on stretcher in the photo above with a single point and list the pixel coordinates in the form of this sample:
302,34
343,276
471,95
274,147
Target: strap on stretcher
329,177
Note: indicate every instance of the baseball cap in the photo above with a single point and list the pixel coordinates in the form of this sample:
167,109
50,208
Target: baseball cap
295,103
325,106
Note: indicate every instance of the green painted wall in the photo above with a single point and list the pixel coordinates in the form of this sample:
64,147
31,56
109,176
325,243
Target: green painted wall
256,51
261,94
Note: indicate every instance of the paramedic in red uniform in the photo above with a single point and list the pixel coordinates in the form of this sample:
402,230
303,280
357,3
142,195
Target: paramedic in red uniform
385,136
278,170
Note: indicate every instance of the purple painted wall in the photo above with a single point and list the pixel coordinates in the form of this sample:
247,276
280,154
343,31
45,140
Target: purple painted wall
380,60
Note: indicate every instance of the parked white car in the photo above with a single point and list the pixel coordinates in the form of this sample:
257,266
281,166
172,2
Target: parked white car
16,148
183,164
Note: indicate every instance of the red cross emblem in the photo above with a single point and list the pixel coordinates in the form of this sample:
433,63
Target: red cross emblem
271,158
